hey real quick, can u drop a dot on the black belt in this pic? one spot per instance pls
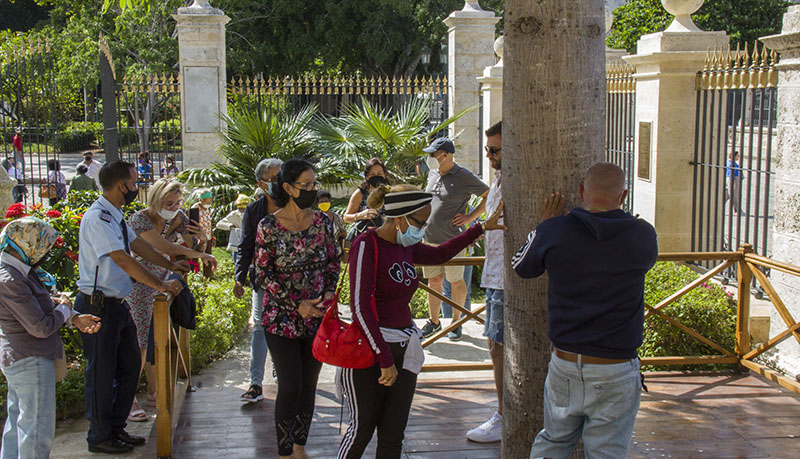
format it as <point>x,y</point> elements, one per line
<point>106,299</point>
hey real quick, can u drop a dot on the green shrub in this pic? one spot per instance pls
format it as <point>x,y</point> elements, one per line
<point>708,309</point>
<point>77,135</point>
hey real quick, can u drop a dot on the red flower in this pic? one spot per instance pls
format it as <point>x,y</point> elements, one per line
<point>16,210</point>
<point>71,255</point>
<point>52,213</point>
<point>59,242</point>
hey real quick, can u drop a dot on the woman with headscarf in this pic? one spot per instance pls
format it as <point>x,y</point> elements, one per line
<point>381,394</point>
<point>163,225</point>
<point>358,212</point>
<point>29,340</point>
<point>297,266</point>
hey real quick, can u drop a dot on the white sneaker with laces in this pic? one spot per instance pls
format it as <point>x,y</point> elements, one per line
<point>489,432</point>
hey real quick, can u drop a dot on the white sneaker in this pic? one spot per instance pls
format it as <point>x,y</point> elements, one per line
<point>489,432</point>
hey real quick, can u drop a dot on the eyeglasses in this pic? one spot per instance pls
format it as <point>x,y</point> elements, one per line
<point>173,205</point>
<point>419,224</point>
<point>270,179</point>
<point>492,150</point>
<point>308,186</point>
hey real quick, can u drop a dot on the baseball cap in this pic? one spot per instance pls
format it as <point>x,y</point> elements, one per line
<point>442,143</point>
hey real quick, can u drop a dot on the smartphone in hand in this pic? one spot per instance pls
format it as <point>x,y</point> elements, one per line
<point>194,215</point>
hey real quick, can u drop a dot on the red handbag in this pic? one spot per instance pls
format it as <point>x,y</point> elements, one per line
<point>340,343</point>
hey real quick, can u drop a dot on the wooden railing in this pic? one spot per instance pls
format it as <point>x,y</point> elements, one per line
<point>173,373</point>
<point>748,265</point>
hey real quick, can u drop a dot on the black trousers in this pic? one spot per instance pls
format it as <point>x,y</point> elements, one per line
<point>112,372</point>
<point>298,372</point>
<point>374,405</point>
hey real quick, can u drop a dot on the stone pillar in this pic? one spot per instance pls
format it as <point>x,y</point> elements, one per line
<point>201,50</point>
<point>491,84</point>
<point>470,38</point>
<point>6,185</point>
<point>666,66</point>
<point>786,235</point>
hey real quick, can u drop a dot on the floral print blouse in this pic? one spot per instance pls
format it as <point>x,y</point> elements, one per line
<point>292,266</point>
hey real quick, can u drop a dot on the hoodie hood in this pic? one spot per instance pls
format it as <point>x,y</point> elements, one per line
<point>604,225</point>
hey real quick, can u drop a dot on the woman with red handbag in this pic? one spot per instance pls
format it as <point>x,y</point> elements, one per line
<point>297,266</point>
<point>382,281</point>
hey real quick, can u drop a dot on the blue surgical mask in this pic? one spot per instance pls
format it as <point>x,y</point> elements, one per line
<point>413,235</point>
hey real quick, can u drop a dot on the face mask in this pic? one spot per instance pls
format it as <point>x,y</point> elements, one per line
<point>167,214</point>
<point>432,162</point>
<point>306,198</point>
<point>205,206</point>
<point>129,195</point>
<point>413,235</point>
<point>324,206</point>
<point>376,180</point>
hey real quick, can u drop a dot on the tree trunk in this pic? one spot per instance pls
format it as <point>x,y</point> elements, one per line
<point>554,116</point>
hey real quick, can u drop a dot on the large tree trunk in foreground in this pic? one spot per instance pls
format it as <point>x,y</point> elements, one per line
<point>554,117</point>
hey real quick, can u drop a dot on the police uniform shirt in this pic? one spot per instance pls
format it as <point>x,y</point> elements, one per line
<point>100,234</point>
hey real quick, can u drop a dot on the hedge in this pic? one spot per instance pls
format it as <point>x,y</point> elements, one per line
<point>78,135</point>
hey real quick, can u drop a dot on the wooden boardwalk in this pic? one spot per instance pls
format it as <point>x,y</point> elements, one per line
<point>683,416</point>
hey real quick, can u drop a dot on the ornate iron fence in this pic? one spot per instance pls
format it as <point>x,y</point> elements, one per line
<point>149,122</point>
<point>28,109</point>
<point>735,120</point>
<point>332,94</point>
<point>621,113</point>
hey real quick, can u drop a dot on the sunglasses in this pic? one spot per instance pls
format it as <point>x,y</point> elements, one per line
<point>420,225</point>
<point>492,150</point>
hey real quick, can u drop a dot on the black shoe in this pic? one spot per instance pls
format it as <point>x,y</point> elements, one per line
<point>134,440</point>
<point>430,328</point>
<point>253,394</point>
<point>111,446</point>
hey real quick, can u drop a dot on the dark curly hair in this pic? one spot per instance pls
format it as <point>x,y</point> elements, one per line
<point>289,173</point>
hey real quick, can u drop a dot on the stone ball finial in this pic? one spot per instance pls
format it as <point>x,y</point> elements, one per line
<point>682,10</point>
<point>472,5</point>
<point>200,4</point>
<point>610,6</point>
<point>498,46</point>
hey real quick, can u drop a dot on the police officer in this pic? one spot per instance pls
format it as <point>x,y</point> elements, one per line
<point>106,268</point>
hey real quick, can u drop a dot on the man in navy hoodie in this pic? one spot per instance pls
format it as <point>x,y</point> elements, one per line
<point>596,258</point>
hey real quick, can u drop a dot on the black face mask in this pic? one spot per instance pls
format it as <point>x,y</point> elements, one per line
<point>376,180</point>
<point>129,195</point>
<point>306,199</point>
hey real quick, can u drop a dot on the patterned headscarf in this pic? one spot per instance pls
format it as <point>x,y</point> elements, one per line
<point>31,238</point>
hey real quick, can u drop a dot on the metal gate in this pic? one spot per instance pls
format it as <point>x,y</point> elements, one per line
<point>734,132</point>
<point>621,111</point>
<point>28,117</point>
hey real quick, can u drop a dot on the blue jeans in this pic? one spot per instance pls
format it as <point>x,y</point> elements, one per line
<point>447,291</point>
<point>596,402</point>
<point>258,343</point>
<point>494,315</point>
<point>31,423</point>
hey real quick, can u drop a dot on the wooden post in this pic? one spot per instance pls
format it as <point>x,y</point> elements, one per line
<point>161,337</point>
<point>744,279</point>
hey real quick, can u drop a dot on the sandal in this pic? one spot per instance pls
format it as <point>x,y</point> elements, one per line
<point>253,394</point>
<point>137,416</point>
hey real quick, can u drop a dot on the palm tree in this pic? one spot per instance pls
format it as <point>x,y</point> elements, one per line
<point>252,135</point>
<point>367,131</point>
<point>553,131</point>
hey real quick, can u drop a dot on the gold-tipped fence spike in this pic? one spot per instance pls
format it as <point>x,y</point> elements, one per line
<point>755,56</point>
<point>772,73</point>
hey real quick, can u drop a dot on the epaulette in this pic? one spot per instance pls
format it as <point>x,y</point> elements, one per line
<point>105,216</point>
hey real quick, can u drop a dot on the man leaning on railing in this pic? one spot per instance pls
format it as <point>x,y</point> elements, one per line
<point>596,258</point>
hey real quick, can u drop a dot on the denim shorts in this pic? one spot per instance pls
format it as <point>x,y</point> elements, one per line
<point>494,315</point>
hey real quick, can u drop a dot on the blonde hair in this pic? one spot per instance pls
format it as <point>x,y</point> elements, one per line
<point>376,198</point>
<point>160,190</point>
